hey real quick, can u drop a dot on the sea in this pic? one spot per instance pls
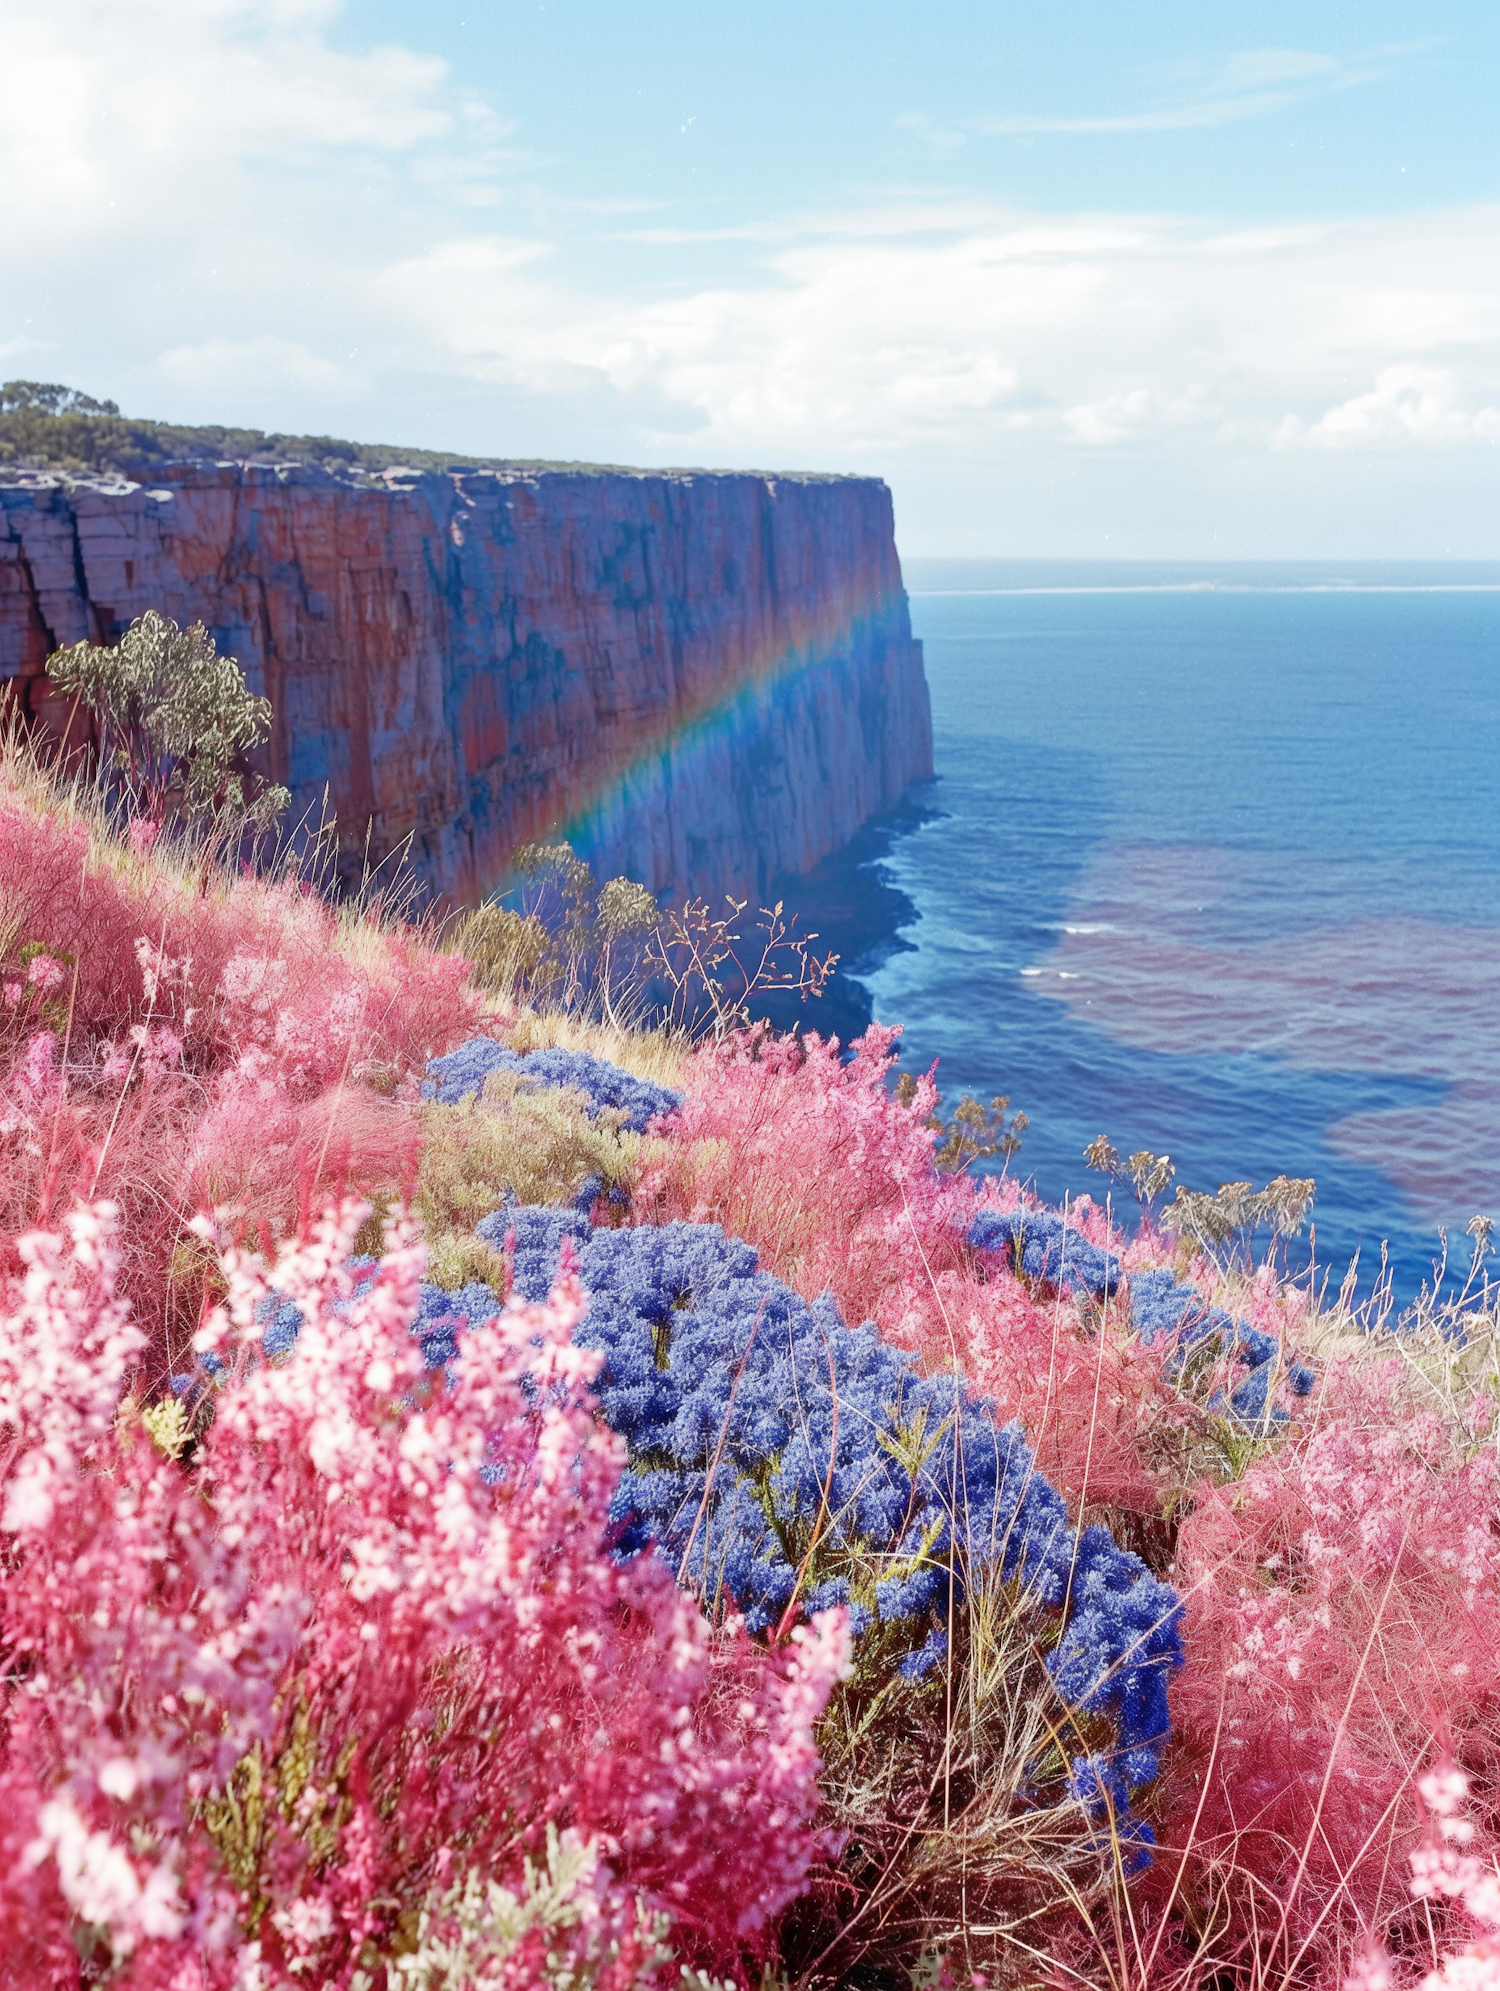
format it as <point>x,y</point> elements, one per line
<point>1211,867</point>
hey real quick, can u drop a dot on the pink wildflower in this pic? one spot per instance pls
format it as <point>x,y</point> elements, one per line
<point>1343,1601</point>
<point>34,1084</point>
<point>114,1063</point>
<point>1441,1872</point>
<point>45,974</point>
<point>159,1048</point>
<point>409,1589</point>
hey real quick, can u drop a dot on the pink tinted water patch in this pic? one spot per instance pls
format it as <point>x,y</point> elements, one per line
<point>1446,1156</point>
<point>1150,949</point>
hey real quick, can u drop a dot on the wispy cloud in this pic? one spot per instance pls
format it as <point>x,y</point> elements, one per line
<point>1251,83</point>
<point>744,231</point>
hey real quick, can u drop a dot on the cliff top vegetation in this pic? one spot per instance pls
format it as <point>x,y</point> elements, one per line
<point>717,1533</point>
<point>47,426</point>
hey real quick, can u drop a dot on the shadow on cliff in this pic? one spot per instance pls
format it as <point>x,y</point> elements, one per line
<point>857,913</point>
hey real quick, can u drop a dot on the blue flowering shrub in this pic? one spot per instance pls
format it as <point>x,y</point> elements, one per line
<point>1045,1249</point>
<point>1007,1709</point>
<point>462,1074</point>
<point>1164,1309</point>
<point>782,1461</point>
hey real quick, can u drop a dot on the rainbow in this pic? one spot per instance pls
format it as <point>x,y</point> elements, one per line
<point>700,749</point>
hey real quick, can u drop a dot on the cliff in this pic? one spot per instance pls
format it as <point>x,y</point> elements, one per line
<point>704,680</point>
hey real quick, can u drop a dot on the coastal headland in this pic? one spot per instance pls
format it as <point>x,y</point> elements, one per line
<point>705,680</point>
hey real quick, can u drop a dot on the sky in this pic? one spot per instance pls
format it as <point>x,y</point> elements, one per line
<point>1084,280</point>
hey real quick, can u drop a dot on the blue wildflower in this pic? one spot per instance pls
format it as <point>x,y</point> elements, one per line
<point>1096,1782</point>
<point>931,1652</point>
<point>1163,1309</point>
<point>279,1321</point>
<point>538,1236</point>
<point>1160,1307</point>
<point>441,1316</point>
<point>781,1459</point>
<point>462,1073</point>
<point>1044,1247</point>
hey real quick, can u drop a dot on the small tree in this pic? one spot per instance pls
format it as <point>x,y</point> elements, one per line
<point>176,722</point>
<point>50,397</point>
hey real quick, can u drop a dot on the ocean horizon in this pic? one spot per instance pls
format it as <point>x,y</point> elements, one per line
<point>1210,866</point>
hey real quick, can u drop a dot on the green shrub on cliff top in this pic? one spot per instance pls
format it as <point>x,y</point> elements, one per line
<point>46,426</point>
<point>175,722</point>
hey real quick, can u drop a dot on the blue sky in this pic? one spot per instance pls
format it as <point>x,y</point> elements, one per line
<point>728,115</point>
<point>1086,279</point>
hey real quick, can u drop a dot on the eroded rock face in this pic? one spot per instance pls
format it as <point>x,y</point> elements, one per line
<point>704,680</point>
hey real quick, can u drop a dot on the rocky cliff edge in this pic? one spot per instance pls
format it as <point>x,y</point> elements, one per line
<point>705,680</point>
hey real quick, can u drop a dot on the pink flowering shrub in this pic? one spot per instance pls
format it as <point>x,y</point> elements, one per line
<point>816,1164</point>
<point>1099,1408</point>
<point>831,1178</point>
<point>272,1707</point>
<point>1343,1608</point>
<point>253,965</point>
<point>175,1043</point>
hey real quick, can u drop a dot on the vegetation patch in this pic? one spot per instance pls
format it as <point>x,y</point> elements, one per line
<point>510,1475</point>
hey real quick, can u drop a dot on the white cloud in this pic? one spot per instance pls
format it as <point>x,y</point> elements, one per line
<point>214,213</point>
<point>1255,68</point>
<point>1423,404</point>
<point>226,365</point>
<point>1197,116</point>
<point>1119,417</point>
<point>108,110</point>
<point>1102,329</point>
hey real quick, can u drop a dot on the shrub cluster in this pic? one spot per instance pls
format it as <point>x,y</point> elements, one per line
<point>175,724</point>
<point>734,1538</point>
<point>284,1709</point>
<point>462,1075</point>
<point>783,1462</point>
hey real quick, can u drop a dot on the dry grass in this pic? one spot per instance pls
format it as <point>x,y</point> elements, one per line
<point>182,871</point>
<point>659,1056</point>
<point>1447,1342</point>
<point>535,1146</point>
<point>960,1841</point>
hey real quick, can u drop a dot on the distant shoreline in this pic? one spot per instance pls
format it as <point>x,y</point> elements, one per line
<point>934,576</point>
<point>1231,588</point>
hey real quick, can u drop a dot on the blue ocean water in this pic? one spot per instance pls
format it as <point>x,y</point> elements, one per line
<point>1212,866</point>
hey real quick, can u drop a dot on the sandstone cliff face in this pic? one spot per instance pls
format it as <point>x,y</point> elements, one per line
<point>704,680</point>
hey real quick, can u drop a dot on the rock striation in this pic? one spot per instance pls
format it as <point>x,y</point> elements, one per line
<point>705,680</point>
